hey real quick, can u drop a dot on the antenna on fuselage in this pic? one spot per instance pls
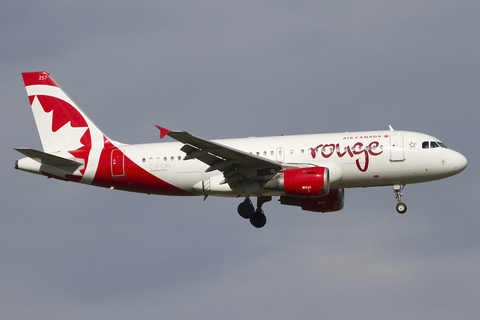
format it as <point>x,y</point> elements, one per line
<point>391,129</point>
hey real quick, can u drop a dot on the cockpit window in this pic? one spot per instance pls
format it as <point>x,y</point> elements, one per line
<point>442,145</point>
<point>433,144</point>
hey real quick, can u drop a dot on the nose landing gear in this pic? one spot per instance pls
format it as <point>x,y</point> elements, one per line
<point>401,207</point>
<point>247,211</point>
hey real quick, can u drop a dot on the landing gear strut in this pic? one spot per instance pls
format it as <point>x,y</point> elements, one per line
<point>401,207</point>
<point>247,211</point>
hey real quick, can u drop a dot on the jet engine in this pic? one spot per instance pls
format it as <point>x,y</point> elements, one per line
<point>311,182</point>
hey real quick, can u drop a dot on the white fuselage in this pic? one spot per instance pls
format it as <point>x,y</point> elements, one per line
<point>357,159</point>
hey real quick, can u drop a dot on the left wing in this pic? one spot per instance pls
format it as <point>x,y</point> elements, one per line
<point>236,165</point>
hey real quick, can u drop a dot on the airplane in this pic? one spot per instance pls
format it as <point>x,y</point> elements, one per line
<point>307,171</point>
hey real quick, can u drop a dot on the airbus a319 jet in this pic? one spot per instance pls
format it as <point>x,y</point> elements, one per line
<point>306,171</point>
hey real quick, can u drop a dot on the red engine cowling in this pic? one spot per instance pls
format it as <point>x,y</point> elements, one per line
<point>301,182</point>
<point>329,203</point>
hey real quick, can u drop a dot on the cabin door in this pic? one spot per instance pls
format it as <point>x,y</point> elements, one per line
<point>396,148</point>
<point>118,168</point>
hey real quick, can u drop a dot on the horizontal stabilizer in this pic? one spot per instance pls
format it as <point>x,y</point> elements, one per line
<point>47,158</point>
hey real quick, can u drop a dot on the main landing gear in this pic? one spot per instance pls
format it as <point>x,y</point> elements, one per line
<point>401,207</point>
<point>247,211</point>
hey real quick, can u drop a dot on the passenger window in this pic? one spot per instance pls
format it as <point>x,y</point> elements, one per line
<point>425,144</point>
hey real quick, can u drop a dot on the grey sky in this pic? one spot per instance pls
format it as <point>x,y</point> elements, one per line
<point>234,69</point>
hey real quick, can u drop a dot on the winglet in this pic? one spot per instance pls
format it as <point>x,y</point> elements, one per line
<point>163,131</point>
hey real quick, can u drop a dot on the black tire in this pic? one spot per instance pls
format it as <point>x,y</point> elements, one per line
<point>259,219</point>
<point>246,210</point>
<point>401,207</point>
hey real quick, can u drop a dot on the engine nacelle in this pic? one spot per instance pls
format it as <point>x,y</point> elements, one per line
<point>329,203</point>
<point>311,182</point>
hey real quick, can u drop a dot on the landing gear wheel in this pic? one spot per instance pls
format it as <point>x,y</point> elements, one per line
<point>246,209</point>
<point>401,207</point>
<point>397,190</point>
<point>259,219</point>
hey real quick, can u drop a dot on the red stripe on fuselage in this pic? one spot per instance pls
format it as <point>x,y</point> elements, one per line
<point>135,179</point>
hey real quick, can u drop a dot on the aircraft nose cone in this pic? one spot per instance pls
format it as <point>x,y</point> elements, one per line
<point>460,162</point>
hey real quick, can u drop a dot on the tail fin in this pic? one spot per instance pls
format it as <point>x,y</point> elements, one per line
<point>62,126</point>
